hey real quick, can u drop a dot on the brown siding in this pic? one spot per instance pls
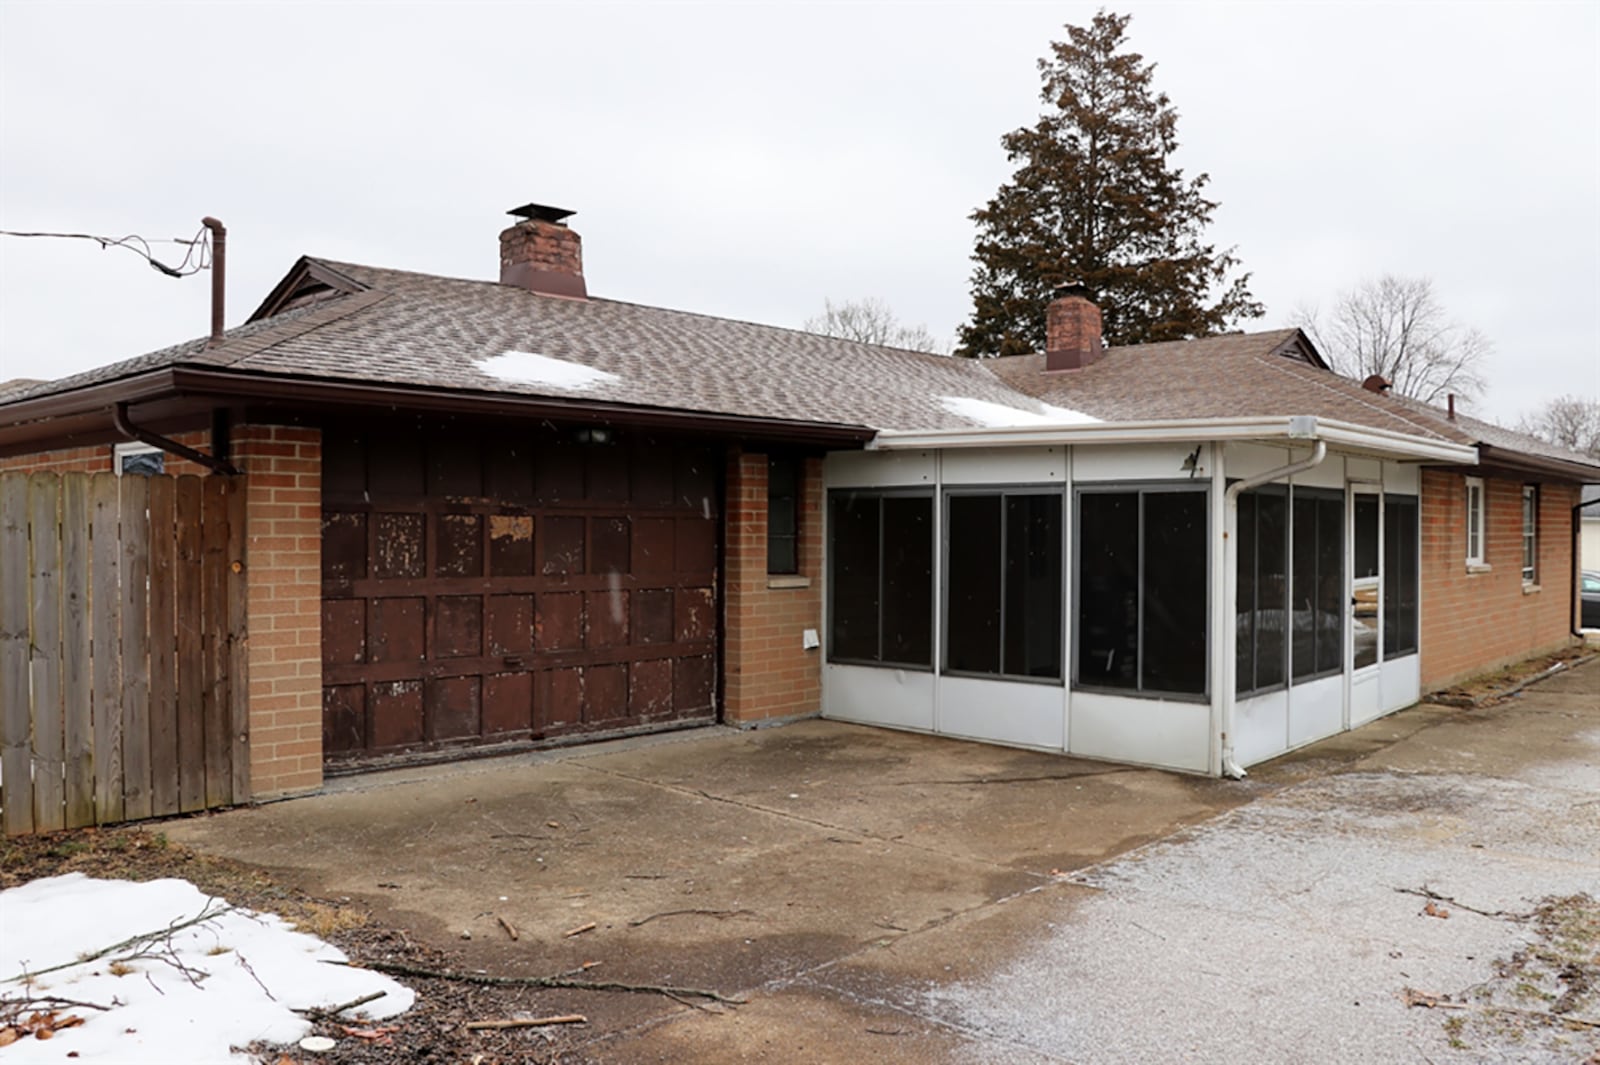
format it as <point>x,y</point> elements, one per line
<point>768,674</point>
<point>1473,622</point>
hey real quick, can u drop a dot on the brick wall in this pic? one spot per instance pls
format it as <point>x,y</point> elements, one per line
<point>1473,622</point>
<point>767,674</point>
<point>283,468</point>
<point>283,581</point>
<point>97,458</point>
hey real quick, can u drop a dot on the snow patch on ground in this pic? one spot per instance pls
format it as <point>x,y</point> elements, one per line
<point>1000,416</point>
<point>247,972</point>
<point>526,368</point>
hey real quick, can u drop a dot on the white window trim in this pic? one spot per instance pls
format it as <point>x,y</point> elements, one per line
<point>1476,557</point>
<point>119,451</point>
<point>1530,579</point>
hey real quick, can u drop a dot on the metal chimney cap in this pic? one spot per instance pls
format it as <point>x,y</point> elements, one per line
<point>1072,288</point>
<point>540,212</point>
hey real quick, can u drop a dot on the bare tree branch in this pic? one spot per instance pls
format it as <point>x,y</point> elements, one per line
<point>1572,422</point>
<point>870,321</point>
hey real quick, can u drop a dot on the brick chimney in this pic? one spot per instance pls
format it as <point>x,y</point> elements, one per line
<point>541,254</point>
<point>1072,329</point>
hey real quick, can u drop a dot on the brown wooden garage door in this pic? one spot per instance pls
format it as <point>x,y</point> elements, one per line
<point>513,584</point>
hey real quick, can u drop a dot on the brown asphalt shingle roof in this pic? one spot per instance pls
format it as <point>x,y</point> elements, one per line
<point>433,332</point>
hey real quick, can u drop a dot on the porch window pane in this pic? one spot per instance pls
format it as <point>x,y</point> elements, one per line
<point>1365,548</point>
<point>1108,589</point>
<point>853,576</point>
<point>1317,590</point>
<point>908,580</point>
<point>1033,586</point>
<point>1173,649</point>
<point>1399,576</point>
<point>1262,659</point>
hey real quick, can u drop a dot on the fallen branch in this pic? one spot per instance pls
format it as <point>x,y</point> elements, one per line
<point>580,930</point>
<point>54,1001</point>
<point>485,980</point>
<point>319,1013</point>
<point>719,914</point>
<point>1426,1001</point>
<point>1427,893</point>
<point>531,1022</point>
<point>206,914</point>
<point>511,929</point>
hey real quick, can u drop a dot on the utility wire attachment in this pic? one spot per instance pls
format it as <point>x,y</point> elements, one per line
<point>195,259</point>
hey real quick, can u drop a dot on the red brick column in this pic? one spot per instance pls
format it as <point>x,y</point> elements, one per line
<point>767,673</point>
<point>283,581</point>
<point>1474,622</point>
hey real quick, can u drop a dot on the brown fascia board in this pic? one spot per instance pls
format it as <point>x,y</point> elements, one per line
<point>49,421</point>
<point>1543,466</point>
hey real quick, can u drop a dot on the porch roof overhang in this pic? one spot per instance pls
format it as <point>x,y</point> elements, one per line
<point>1343,436</point>
<point>172,394</point>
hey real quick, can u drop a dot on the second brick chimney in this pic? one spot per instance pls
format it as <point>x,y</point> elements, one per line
<point>541,254</point>
<point>1072,329</point>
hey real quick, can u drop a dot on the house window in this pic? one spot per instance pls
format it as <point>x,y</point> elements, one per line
<point>880,578</point>
<point>1400,543</point>
<point>783,514</point>
<point>1316,586</point>
<point>1143,590</point>
<point>1475,506</point>
<point>1530,534</point>
<point>141,459</point>
<point>1003,584</point>
<point>1263,590</point>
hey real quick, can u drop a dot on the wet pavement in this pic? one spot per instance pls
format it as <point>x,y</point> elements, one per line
<point>882,896</point>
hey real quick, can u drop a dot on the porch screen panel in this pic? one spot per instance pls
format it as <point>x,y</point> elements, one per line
<point>1317,591</point>
<point>1400,576</point>
<point>880,579</point>
<point>1033,586</point>
<point>1143,591</point>
<point>1263,590</point>
<point>973,595</point>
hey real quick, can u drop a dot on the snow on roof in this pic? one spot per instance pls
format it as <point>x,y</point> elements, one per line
<point>526,368</point>
<point>999,416</point>
<point>247,972</point>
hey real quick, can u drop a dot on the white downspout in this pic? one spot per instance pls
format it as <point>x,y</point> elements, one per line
<point>1301,429</point>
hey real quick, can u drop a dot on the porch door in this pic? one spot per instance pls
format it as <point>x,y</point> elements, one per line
<point>1364,620</point>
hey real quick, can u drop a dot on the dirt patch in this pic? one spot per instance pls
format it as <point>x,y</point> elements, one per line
<point>1490,688</point>
<point>431,1031</point>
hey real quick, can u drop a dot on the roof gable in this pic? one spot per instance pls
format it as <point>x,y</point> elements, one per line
<point>308,282</point>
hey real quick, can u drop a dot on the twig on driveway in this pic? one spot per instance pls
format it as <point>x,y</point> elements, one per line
<point>317,1013</point>
<point>680,913</point>
<point>486,980</point>
<point>1426,893</point>
<point>530,1022</point>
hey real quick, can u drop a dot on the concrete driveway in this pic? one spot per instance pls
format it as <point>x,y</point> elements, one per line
<point>881,896</point>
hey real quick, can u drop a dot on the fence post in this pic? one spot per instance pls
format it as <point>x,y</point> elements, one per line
<point>15,756</point>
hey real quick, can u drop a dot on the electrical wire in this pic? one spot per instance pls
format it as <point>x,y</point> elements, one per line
<point>197,258</point>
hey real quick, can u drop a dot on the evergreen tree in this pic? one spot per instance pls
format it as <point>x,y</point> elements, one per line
<point>1096,199</point>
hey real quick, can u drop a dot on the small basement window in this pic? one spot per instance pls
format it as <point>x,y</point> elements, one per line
<point>141,459</point>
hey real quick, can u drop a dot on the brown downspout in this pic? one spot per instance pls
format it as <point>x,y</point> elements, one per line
<point>1574,582</point>
<point>219,264</point>
<point>172,447</point>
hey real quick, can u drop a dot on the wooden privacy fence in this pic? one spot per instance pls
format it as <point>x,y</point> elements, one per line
<point>123,690</point>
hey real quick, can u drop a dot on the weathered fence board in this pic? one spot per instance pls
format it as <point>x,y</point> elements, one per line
<point>76,685</point>
<point>123,687</point>
<point>49,745</point>
<point>15,725</point>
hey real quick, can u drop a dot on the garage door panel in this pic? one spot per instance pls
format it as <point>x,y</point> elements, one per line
<point>460,546</point>
<point>399,547</point>
<point>510,624</point>
<point>510,545</point>
<point>344,631</point>
<point>458,626</point>
<point>453,708</point>
<point>507,704</point>
<point>605,694</point>
<point>506,584</point>
<point>396,714</point>
<point>558,622</point>
<point>398,630</point>
<point>344,718</point>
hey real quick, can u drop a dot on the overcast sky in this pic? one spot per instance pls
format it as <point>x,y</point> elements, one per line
<point>750,160</point>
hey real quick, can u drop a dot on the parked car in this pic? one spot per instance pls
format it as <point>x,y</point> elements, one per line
<point>1591,599</point>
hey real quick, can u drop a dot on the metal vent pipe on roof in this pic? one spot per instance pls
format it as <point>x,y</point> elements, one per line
<point>219,272</point>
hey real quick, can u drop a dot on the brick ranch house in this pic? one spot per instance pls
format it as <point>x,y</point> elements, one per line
<point>482,515</point>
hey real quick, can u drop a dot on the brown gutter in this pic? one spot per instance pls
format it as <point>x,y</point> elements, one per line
<point>119,415</point>
<point>1522,461</point>
<point>219,263</point>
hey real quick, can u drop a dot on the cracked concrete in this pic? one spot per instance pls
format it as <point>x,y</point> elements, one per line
<point>900,894</point>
